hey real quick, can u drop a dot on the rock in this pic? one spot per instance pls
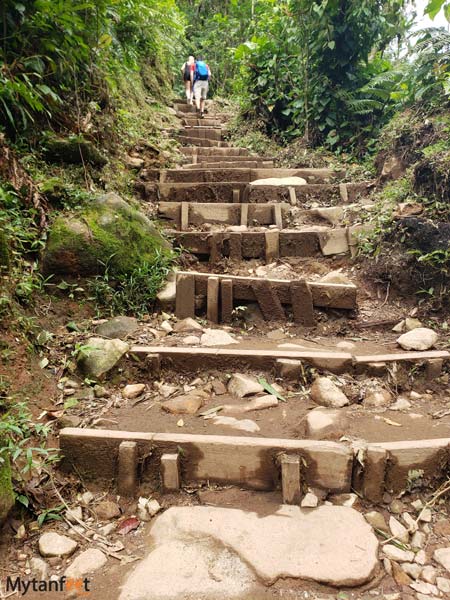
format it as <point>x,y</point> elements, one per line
<point>350,500</point>
<point>325,392</point>
<point>118,328</point>
<point>336,277</point>
<point>393,168</point>
<point>219,388</point>
<point>442,527</point>
<point>187,325</point>
<point>429,574</point>
<point>399,575</point>
<point>7,496</point>
<point>86,498</point>
<point>73,150</point>
<point>108,231</point>
<point>398,530</point>
<point>239,424</point>
<point>87,562</point>
<point>107,529</point>
<point>310,500</point>
<point>412,569</point>
<point>399,328</point>
<point>346,346</point>
<point>242,385</point>
<point>331,545</point>
<point>166,326</point>
<point>279,181</point>
<point>325,424</point>
<point>377,520</point>
<point>420,558</point>
<point>190,340</point>
<point>411,324</point>
<point>442,556</point>
<point>106,510</point>
<point>418,540</point>
<point>74,515</point>
<point>133,390</point>
<point>410,523</point>
<point>216,337</point>
<point>100,391</point>
<point>260,403</point>
<point>424,588</point>
<point>418,339</point>
<point>148,508</point>
<point>276,334</point>
<point>400,404</point>
<point>397,554</point>
<point>68,421</point>
<point>133,162</point>
<point>39,568</point>
<point>183,405</point>
<point>376,397</point>
<point>425,515</point>
<point>167,295</point>
<point>54,544</point>
<point>102,356</point>
<point>397,507</point>
<point>443,584</point>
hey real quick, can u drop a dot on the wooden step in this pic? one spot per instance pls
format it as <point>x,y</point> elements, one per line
<point>201,133</point>
<point>219,174</point>
<point>206,122</point>
<point>269,245</point>
<point>195,192</point>
<point>231,162</point>
<point>203,143</point>
<point>221,152</point>
<point>272,295</point>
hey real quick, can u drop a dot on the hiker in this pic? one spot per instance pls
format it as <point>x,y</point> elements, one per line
<point>201,76</point>
<point>187,70</point>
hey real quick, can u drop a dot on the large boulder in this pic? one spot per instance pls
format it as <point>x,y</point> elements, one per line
<point>101,356</point>
<point>106,232</point>
<point>7,497</point>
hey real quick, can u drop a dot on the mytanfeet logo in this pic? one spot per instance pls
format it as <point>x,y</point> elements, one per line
<point>18,585</point>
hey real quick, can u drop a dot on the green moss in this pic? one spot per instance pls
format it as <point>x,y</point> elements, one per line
<point>7,497</point>
<point>4,252</point>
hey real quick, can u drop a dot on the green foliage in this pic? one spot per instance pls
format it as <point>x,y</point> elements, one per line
<point>133,292</point>
<point>61,54</point>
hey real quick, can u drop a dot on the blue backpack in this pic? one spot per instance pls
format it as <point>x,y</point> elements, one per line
<point>201,71</point>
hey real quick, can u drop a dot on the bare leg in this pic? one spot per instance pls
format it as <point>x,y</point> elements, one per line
<point>187,86</point>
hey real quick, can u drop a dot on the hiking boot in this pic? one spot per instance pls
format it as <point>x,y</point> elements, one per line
<point>202,115</point>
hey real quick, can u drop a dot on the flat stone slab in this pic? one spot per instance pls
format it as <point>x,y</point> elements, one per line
<point>331,544</point>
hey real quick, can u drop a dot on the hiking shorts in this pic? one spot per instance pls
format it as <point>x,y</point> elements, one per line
<point>201,89</point>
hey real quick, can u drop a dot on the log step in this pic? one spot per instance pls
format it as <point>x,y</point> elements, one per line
<point>220,174</point>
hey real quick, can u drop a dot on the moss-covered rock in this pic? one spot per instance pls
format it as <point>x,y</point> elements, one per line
<point>73,150</point>
<point>108,232</point>
<point>4,252</point>
<point>7,497</point>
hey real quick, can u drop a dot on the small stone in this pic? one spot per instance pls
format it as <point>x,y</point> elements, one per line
<point>415,395</point>
<point>387,566</point>
<point>119,327</point>
<point>424,588</point>
<point>99,391</point>
<point>219,387</point>
<point>74,515</point>
<point>259,403</point>
<point>400,404</point>
<point>411,324</point>
<point>86,498</point>
<point>346,346</point>
<point>442,556</point>
<point>442,527</point>
<point>429,574</point>
<point>54,544</point>
<point>166,326</point>
<point>410,523</point>
<point>187,325</point>
<point>88,561</point>
<point>309,501</point>
<point>425,515</point>
<point>397,507</point>
<point>190,340</point>
<point>336,277</point>
<point>420,339</point>
<point>377,520</point>
<point>325,392</point>
<point>242,385</point>
<point>107,510</point>
<point>133,390</point>
<point>68,421</point>
<point>344,499</point>
<point>240,425</point>
<point>417,504</point>
<point>397,554</point>
<point>398,530</point>
<point>418,540</point>
<point>375,398</point>
<point>421,557</point>
<point>153,507</point>
<point>216,337</point>
<point>39,568</point>
<point>400,327</point>
<point>443,584</point>
<point>401,578</point>
<point>325,424</point>
<point>183,405</point>
<point>412,569</point>
<point>107,529</point>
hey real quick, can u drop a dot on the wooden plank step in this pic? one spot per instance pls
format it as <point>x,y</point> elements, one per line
<point>321,192</point>
<point>309,242</point>
<point>222,212</point>
<point>219,152</point>
<point>325,295</point>
<point>195,192</point>
<point>245,461</point>
<point>230,163</point>
<point>203,143</point>
<point>220,174</point>
<point>203,133</point>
